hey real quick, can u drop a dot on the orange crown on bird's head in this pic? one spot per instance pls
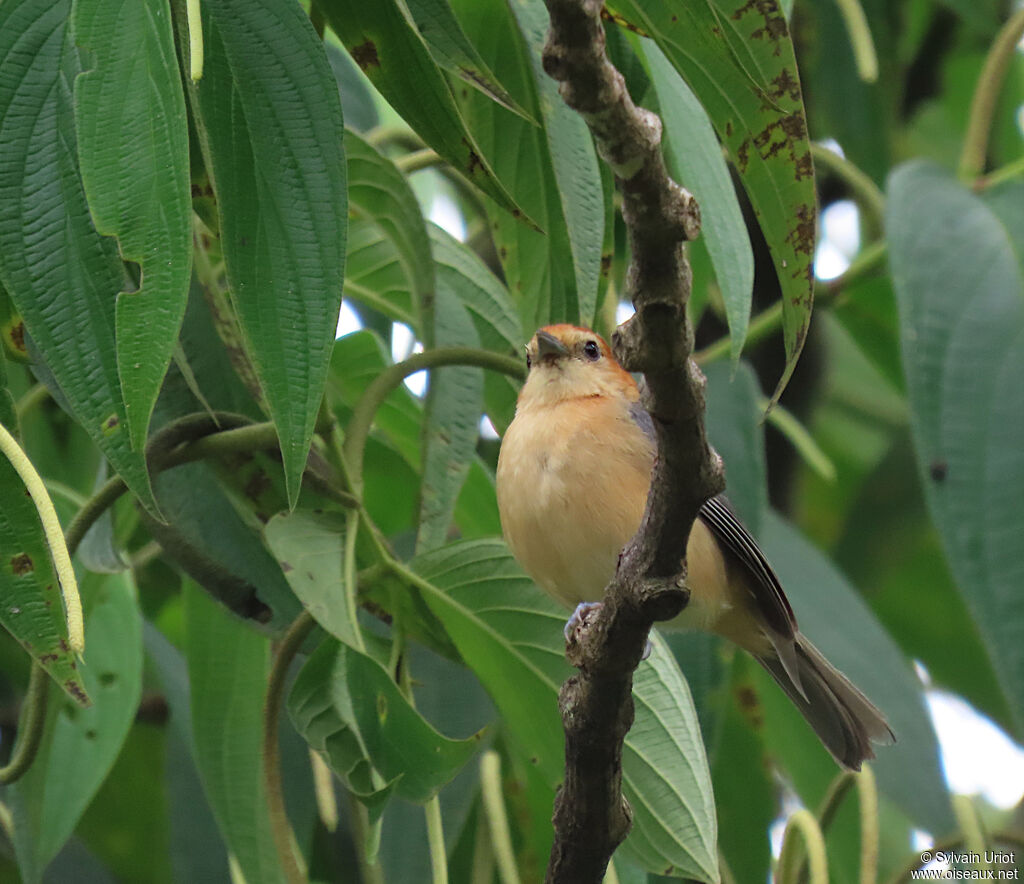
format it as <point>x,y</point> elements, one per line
<point>571,362</point>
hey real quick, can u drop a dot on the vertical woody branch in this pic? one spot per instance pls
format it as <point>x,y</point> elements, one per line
<point>591,815</point>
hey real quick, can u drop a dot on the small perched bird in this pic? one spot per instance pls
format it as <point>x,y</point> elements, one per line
<point>573,476</point>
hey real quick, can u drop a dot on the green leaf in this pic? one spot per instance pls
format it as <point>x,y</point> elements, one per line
<point>270,125</point>
<point>81,745</point>
<point>61,275</point>
<point>376,276</point>
<point>695,160</point>
<point>735,430</point>
<point>385,44</point>
<point>962,330</point>
<point>348,707</point>
<point>737,57</point>
<point>511,636</point>
<point>31,607</point>
<point>451,49</point>
<point>378,192</point>
<point>133,150</point>
<point>836,619</point>
<point>552,170</point>
<point>451,421</point>
<point>227,668</point>
<point>311,549</point>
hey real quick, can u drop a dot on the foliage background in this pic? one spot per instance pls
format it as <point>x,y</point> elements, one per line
<point>886,489</point>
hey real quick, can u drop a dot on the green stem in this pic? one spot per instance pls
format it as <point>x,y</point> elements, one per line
<point>867,794</point>
<point>864,54</point>
<point>203,437</point>
<point>769,321</point>
<point>380,388</point>
<point>30,729</point>
<point>800,438</point>
<point>435,839</point>
<point>283,838</point>
<point>367,840</point>
<point>420,159</point>
<point>803,824</point>
<point>32,397</point>
<point>195,40</point>
<point>993,179</point>
<point>986,94</point>
<point>55,539</point>
<point>864,191</point>
<point>497,819</point>
<point>401,136</point>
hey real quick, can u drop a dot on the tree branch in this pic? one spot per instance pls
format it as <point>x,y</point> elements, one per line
<point>591,815</point>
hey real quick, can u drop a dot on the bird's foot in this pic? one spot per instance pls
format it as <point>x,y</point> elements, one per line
<point>578,621</point>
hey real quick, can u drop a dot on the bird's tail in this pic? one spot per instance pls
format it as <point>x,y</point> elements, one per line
<point>844,719</point>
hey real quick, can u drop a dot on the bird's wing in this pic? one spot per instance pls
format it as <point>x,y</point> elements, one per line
<point>733,537</point>
<point>762,583</point>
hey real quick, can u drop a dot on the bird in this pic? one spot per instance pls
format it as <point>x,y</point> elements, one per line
<point>574,470</point>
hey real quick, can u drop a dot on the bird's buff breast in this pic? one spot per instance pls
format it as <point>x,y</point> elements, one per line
<point>569,498</point>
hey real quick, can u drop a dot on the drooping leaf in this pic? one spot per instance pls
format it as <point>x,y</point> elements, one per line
<point>551,170</point>
<point>379,193</point>
<point>737,57</point>
<point>61,275</point>
<point>31,608</point>
<point>310,548</point>
<point>695,160</point>
<point>511,636</point>
<point>836,619</point>
<point>390,51</point>
<point>451,421</point>
<point>133,150</point>
<point>270,125</point>
<point>962,332</point>
<point>452,50</point>
<point>227,668</point>
<point>348,707</point>
<point>80,745</point>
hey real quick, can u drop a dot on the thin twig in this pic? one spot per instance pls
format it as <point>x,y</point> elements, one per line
<point>986,94</point>
<point>30,728</point>
<point>283,839</point>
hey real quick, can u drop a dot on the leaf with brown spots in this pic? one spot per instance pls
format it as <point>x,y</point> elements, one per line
<point>27,578</point>
<point>737,57</point>
<point>393,55</point>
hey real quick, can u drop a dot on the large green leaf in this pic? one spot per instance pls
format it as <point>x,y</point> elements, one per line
<point>227,669</point>
<point>695,160</point>
<point>385,44</point>
<point>133,149</point>
<point>62,276</point>
<point>737,57</point>
<point>840,624</point>
<point>81,745</point>
<point>551,170</point>
<point>451,421</point>
<point>511,636</point>
<point>378,192</point>
<point>348,707</point>
<point>962,330</point>
<point>452,50</point>
<point>31,607</point>
<point>376,276</point>
<point>270,125</point>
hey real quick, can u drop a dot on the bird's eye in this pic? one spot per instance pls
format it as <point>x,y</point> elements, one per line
<point>529,361</point>
<point>591,350</point>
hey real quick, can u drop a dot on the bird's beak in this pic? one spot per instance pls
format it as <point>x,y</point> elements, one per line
<point>549,347</point>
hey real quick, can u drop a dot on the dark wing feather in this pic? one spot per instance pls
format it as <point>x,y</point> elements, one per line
<point>764,585</point>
